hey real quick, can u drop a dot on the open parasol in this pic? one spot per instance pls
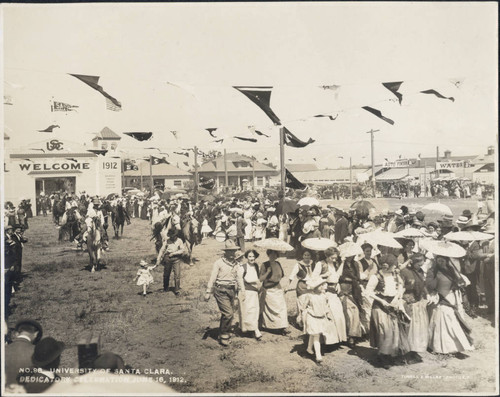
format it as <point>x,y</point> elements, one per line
<point>274,244</point>
<point>318,244</point>
<point>409,233</point>
<point>308,201</point>
<point>445,248</point>
<point>377,237</point>
<point>436,210</point>
<point>350,249</point>
<point>468,236</point>
<point>362,207</point>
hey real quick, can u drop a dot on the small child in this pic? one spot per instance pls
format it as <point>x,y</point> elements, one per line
<point>205,228</point>
<point>316,315</point>
<point>144,276</point>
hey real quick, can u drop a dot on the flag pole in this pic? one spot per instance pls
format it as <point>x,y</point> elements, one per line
<point>226,178</point>
<point>195,174</point>
<point>282,159</point>
<point>151,173</point>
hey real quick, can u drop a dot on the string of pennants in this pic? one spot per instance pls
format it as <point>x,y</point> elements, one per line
<point>259,95</point>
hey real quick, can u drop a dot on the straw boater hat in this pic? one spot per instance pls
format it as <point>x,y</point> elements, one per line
<point>230,246</point>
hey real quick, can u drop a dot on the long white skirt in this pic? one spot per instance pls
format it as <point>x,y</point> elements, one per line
<point>418,334</point>
<point>249,311</point>
<point>445,333</point>
<point>336,328</point>
<point>273,306</point>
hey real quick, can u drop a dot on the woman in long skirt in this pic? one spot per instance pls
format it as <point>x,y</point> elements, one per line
<point>386,332</point>
<point>336,330</point>
<point>368,267</point>
<point>272,299</point>
<point>350,291</point>
<point>448,328</point>
<point>416,304</point>
<point>250,308</point>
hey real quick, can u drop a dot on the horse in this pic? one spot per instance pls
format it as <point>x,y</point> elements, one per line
<point>118,219</point>
<point>190,236</point>
<point>94,246</point>
<point>70,226</point>
<point>58,209</point>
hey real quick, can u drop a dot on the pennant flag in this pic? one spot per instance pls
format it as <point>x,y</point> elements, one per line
<point>130,166</point>
<point>98,152</point>
<point>210,131</point>
<point>292,182</point>
<point>293,141</point>
<point>207,183</point>
<point>254,131</point>
<point>261,96</point>
<point>246,139</point>
<point>394,87</point>
<point>71,159</point>
<point>152,148</point>
<point>378,113</point>
<point>92,81</point>
<point>434,92</point>
<point>49,128</point>
<point>327,115</point>
<point>140,136</point>
<point>185,163</point>
<point>219,140</point>
<point>174,133</point>
<point>340,157</point>
<point>7,100</point>
<point>158,160</point>
<point>110,105</point>
<point>182,153</point>
<point>61,107</point>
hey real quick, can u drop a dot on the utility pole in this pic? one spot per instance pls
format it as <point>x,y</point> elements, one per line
<point>350,174</point>
<point>142,185</point>
<point>151,173</point>
<point>253,174</point>
<point>373,160</point>
<point>225,172</point>
<point>282,160</point>
<point>195,174</point>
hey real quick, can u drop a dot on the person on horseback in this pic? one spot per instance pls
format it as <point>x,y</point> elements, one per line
<point>70,223</point>
<point>93,212</point>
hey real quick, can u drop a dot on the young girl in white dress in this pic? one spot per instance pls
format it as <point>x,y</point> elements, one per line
<point>317,315</point>
<point>144,276</point>
<point>205,228</point>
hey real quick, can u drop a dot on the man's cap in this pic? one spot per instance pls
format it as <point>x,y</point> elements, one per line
<point>46,351</point>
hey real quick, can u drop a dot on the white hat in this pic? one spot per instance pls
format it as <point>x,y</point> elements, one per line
<point>315,282</point>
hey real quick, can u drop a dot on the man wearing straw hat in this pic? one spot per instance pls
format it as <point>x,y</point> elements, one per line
<point>225,281</point>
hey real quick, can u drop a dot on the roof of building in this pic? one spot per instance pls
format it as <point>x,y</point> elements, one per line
<point>106,133</point>
<point>484,159</point>
<point>396,174</point>
<point>53,148</point>
<point>488,167</point>
<point>301,167</point>
<point>235,163</point>
<point>328,176</point>
<point>159,170</point>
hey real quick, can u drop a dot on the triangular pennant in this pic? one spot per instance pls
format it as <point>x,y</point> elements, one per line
<point>174,133</point>
<point>293,141</point>
<point>140,136</point>
<point>185,163</point>
<point>327,115</point>
<point>394,87</point>
<point>219,140</point>
<point>182,153</point>
<point>49,128</point>
<point>92,81</point>
<point>434,92</point>
<point>207,183</point>
<point>378,113</point>
<point>210,131</point>
<point>261,96</point>
<point>158,160</point>
<point>98,152</point>
<point>292,182</point>
<point>246,139</point>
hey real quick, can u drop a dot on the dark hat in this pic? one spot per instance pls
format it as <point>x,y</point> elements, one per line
<point>366,245</point>
<point>108,360</point>
<point>46,351</point>
<point>404,209</point>
<point>467,213</point>
<point>34,323</point>
<point>420,216</point>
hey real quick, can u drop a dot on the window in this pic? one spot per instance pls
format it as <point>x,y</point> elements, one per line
<point>260,181</point>
<point>104,145</point>
<point>177,183</point>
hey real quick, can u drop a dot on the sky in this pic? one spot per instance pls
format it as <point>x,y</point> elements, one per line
<point>172,66</point>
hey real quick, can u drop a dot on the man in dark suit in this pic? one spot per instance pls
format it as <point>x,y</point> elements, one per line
<point>240,231</point>
<point>18,353</point>
<point>16,247</point>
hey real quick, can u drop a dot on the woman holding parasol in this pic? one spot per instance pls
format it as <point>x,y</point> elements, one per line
<point>448,328</point>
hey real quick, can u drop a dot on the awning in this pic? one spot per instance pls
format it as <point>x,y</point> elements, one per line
<point>400,174</point>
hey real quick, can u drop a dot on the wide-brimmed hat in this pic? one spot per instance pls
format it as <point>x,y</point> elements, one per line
<point>34,323</point>
<point>467,214</point>
<point>489,228</point>
<point>46,351</point>
<point>238,254</point>
<point>230,245</point>
<point>463,220</point>
<point>446,220</point>
<point>143,263</point>
<point>315,282</point>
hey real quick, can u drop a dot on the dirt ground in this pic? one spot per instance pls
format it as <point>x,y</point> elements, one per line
<point>177,335</point>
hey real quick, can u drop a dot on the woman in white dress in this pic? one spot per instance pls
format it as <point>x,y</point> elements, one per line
<point>247,215</point>
<point>250,308</point>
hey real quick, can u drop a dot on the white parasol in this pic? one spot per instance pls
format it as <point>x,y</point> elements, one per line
<point>468,236</point>
<point>318,244</point>
<point>274,244</point>
<point>308,201</point>
<point>409,233</point>
<point>445,248</point>
<point>436,209</point>
<point>379,237</point>
<point>349,249</point>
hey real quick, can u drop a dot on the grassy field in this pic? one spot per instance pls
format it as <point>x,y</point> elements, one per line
<point>178,334</point>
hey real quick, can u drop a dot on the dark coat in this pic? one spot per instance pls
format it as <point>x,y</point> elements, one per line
<point>17,355</point>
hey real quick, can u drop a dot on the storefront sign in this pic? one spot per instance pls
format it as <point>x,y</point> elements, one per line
<point>401,163</point>
<point>54,166</point>
<point>453,165</point>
